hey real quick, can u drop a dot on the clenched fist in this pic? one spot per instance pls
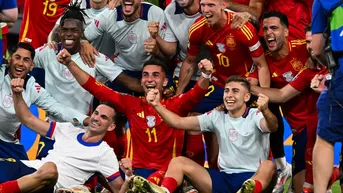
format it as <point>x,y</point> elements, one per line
<point>153,97</point>
<point>205,66</point>
<point>153,28</point>
<point>64,57</point>
<point>150,46</point>
<point>17,85</point>
<point>262,102</point>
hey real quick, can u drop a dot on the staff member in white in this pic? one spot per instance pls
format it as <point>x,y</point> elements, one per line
<point>243,137</point>
<point>20,64</point>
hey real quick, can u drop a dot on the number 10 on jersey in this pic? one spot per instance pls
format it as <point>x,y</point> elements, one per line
<point>223,60</point>
<point>151,132</point>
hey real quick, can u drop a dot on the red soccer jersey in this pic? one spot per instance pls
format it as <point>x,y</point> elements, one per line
<point>299,13</point>
<point>231,50</point>
<point>291,70</point>
<point>153,142</point>
<point>243,2</point>
<point>39,18</point>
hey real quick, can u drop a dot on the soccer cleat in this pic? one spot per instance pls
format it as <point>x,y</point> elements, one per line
<point>247,187</point>
<point>76,189</point>
<point>144,186</point>
<point>283,176</point>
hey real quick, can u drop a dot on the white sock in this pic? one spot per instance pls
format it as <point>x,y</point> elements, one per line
<point>281,163</point>
<point>165,189</point>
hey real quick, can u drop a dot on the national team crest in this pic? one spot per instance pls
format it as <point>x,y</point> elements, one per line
<point>67,74</point>
<point>297,64</point>
<point>230,42</point>
<point>132,37</point>
<point>288,76</point>
<point>151,120</point>
<point>221,47</point>
<point>233,135</point>
<point>8,101</point>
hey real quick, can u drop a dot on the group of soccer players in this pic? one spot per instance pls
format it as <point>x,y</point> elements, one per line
<point>190,94</point>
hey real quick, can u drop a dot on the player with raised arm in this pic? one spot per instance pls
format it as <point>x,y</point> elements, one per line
<point>243,144</point>
<point>291,81</point>
<point>233,50</point>
<point>20,64</point>
<point>153,144</point>
<point>77,154</point>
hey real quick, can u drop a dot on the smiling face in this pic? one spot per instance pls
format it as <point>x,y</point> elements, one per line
<point>101,119</point>
<point>20,63</point>
<point>235,96</point>
<point>70,34</point>
<point>212,10</point>
<point>275,34</point>
<point>130,7</point>
<point>153,77</point>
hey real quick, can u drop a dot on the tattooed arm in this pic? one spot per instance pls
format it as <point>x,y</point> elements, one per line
<point>187,70</point>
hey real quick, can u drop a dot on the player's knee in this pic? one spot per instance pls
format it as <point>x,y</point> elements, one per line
<point>269,166</point>
<point>185,163</point>
<point>48,173</point>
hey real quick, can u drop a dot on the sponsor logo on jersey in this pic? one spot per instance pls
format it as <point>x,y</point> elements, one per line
<point>221,47</point>
<point>151,120</point>
<point>96,22</point>
<point>37,87</point>
<point>230,42</point>
<point>8,101</point>
<point>288,76</point>
<point>164,26</point>
<point>252,69</point>
<point>297,64</point>
<point>132,37</point>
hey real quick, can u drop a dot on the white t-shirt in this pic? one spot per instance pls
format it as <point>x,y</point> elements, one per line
<point>242,143</point>
<point>61,84</point>
<point>129,37</point>
<point>77,160</point>
<point>33,94</point>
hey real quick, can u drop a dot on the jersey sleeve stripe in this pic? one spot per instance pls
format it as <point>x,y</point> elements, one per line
<point>51,130</point>
<point>248,31</point>
<point>191,31</point>
<point>197,24</point>
<point>255,47</point>
<point>245,33</point>
<point>113,176</point>
<point>27,22</point>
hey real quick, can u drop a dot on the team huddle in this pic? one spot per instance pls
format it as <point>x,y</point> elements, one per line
<point>141,99</point>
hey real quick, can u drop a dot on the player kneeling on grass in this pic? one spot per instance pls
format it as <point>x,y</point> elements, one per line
<point>77,154</point>
<point>243,137</point>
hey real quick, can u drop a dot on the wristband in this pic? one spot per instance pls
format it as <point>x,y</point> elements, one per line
<point>127,178</point>
<point>205,75</point>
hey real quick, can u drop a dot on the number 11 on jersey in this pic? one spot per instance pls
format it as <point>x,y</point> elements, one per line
<point>151,132</point>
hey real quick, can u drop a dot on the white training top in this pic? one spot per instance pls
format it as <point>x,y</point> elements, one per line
<point>103,44</point>
<point>32,94</point>
<point>242,143</point>
<point>128,36</point>
<point>77,160</point>
<point>61,84</point>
